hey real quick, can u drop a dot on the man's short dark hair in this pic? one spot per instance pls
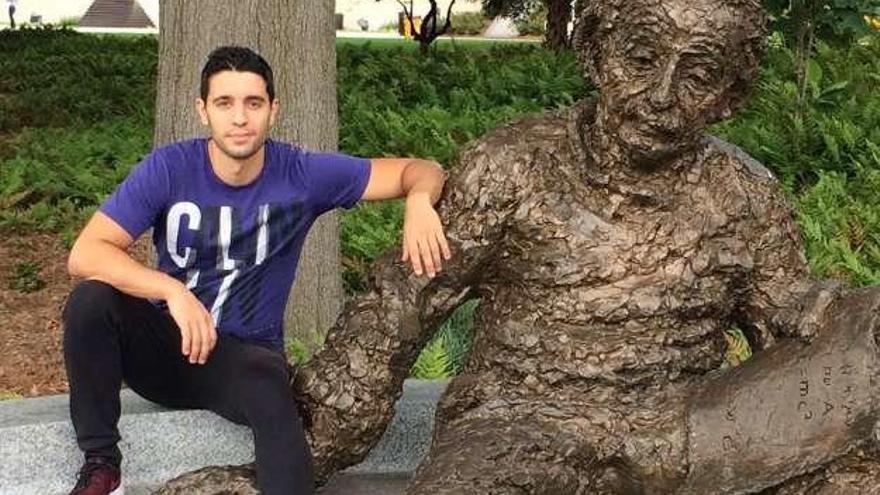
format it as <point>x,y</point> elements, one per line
<point>237,58</point>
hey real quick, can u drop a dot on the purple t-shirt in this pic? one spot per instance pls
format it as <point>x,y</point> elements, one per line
<point>235,248</point>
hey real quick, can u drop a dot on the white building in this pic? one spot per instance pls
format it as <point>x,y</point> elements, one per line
<point>52,11</point>
<point>377,14</point>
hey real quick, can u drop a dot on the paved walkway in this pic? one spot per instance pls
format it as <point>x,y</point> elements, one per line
<point>345,484</point>
<point>38,451</point>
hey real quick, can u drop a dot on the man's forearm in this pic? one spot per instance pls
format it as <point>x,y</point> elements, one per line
<point>100,260</point>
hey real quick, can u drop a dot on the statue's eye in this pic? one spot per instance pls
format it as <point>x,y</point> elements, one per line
<point>697,82</point>
<point>698,68</point>
<point>642,59</point>
<point>698,75</point>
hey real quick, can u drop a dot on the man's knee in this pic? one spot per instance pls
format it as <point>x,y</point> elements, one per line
<point>90,303</point>
<point>262,381</point>
<point>261,365</point>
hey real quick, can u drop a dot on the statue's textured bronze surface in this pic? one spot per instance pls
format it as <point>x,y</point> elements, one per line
<point>612,245</point>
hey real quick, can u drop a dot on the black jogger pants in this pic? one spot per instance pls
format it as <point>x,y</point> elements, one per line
<point>110,336</point>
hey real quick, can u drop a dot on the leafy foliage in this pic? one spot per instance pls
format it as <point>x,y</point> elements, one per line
<point>840,222</point>
<point>468,23</point>
<point>836,21</point>
<point>56,177</point>
<point>445,354</point>
<point>76,113</point>
<point>300,350</point>
<point>533,23</point>
<point>828,158</point>
<point>433,363</point>
<point>738,350</point>
<point>57,77</point>
<point>26,277</point>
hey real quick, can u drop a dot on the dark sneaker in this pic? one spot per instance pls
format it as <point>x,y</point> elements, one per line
<point>98,477</point>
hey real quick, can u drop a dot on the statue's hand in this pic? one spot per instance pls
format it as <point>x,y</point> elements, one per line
<point>346,392</point>
<point>813,313</point>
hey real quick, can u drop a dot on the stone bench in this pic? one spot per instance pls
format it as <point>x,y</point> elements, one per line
<point>38,452</point>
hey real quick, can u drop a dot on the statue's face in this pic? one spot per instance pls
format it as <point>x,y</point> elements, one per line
<point>666,70</point>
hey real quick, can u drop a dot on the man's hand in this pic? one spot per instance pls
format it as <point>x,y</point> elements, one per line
<point>197,332</point>
<point>424,244</point>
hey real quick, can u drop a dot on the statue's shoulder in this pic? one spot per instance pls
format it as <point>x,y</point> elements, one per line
<point>757,185</point>
<point>516,142</point>
<point>509,157</point>
<point>751,168</point>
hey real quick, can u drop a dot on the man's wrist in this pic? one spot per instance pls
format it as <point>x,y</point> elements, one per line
<point>171,288</point>
<point>418,197</point>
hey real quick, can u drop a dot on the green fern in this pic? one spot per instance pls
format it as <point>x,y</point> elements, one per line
<point>433,363</point>
<point>738,349</point>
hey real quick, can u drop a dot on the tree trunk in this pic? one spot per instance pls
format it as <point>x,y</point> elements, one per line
<point>297,39</point>
<point>804,13</point>
<point>558,17</point>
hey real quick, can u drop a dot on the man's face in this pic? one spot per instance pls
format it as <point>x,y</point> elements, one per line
<point>665,74</point>
<point>238,111</point>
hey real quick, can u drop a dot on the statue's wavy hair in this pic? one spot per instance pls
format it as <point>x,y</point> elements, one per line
<point>598,18</point>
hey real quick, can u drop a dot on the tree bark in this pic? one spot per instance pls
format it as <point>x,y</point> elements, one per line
<point>558,17</point>
<point>297,39</point>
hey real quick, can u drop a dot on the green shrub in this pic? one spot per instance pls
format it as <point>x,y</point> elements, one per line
<point>468,24</point>
<point>26,277</point>
<point>61,78</point>
<point>828,160</point>
<point>533,23</point>
<point>68,22</point>
<point>57,176</point>
<point>839,218</point>
<point>837,21</point>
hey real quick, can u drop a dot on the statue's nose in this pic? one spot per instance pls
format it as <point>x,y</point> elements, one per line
<point>662,95</point>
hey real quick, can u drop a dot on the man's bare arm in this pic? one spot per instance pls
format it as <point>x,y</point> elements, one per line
<point>421,182</point>
<point>100,253</point>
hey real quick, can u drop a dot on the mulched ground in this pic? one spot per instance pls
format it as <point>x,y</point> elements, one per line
<point>30,334</point>
<point>33,287</point>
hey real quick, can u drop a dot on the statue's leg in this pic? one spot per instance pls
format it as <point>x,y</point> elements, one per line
<point>857,473</point>
<point>502,456</point>
<point>792,408</point>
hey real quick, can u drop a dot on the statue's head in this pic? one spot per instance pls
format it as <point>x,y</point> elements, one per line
<point>668,68</point>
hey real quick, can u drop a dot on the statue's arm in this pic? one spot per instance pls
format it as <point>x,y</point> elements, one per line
<point>782,299</point>
<point>348,390</point>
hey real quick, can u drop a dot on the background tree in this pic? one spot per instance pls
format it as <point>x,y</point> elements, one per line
<point>428,31</point>
<point>297,38</point>
<point>803,22</point>
<point>558,16</point>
